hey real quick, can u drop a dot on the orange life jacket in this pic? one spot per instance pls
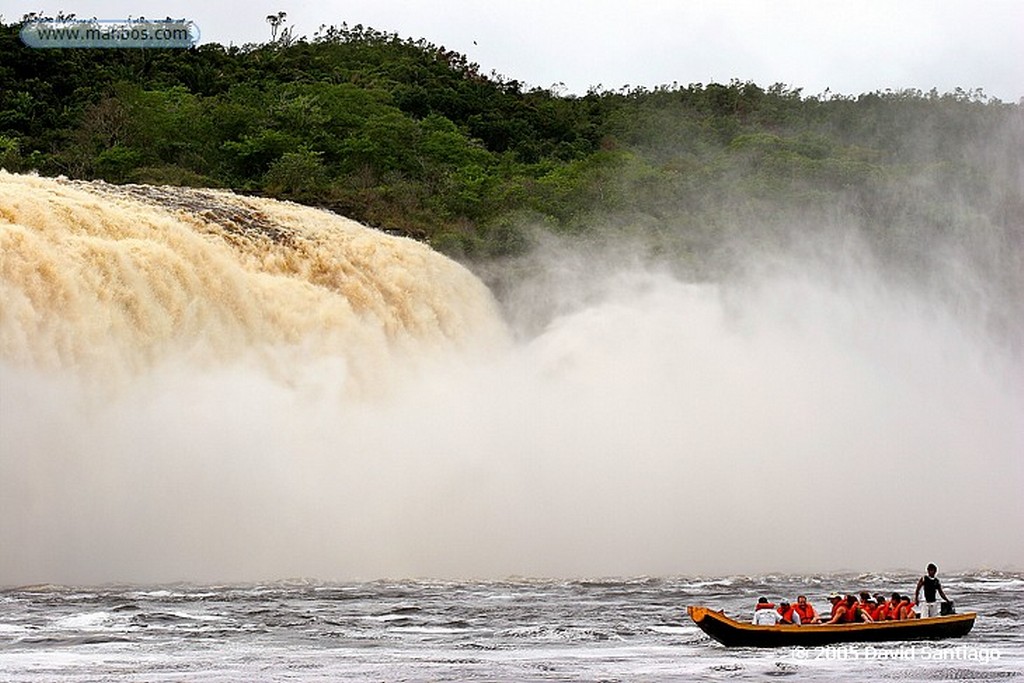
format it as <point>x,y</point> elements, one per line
<point>806,613</point>
<point>851,612</point>
<point>881,612</point>
<point>787,614</point>
<point>764,605</point>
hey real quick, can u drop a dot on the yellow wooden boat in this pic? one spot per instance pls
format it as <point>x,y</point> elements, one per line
<point>732,633</point>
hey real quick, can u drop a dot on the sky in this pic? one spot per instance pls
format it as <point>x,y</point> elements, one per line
<point>819,46</point>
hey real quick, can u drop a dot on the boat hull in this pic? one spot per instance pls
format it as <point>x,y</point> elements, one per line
<point>732,633</point>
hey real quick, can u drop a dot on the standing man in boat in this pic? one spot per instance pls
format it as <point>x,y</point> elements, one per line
<point>931,585</point>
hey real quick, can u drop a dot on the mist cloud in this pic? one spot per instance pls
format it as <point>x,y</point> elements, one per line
<point>634,427</point>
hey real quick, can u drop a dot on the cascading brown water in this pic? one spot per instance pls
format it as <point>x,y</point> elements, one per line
<point>107,279</point>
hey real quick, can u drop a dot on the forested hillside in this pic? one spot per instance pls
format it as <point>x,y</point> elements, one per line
<point>408,136</point>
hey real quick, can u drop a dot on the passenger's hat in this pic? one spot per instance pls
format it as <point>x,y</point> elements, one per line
<point>834,596</point>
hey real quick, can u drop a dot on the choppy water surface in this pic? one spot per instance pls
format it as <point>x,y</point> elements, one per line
<point>516,630</point>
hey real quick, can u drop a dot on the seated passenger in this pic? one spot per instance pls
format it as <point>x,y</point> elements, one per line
<point>893,607</point>
<point>901,608</point>
<point>854,611</point>
<point>765,614</point>
<point>806,611</point>
<point>881,612</point>
<point>867,603</point>
<point>910,611</point>
<point>838,609</point>
<point>788,613</point>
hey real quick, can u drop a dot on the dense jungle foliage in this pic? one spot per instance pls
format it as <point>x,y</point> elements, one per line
<point>409,136</point>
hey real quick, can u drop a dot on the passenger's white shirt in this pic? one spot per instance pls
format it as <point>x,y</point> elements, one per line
<point>767,617</point>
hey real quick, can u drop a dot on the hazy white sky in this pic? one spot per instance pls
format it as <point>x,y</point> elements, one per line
<point>848,47</point>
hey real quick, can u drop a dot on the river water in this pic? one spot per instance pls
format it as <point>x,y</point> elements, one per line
<point>512,630</point>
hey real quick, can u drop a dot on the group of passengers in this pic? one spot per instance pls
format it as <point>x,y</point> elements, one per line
<point>846,609</point>
<point>850,609</point>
